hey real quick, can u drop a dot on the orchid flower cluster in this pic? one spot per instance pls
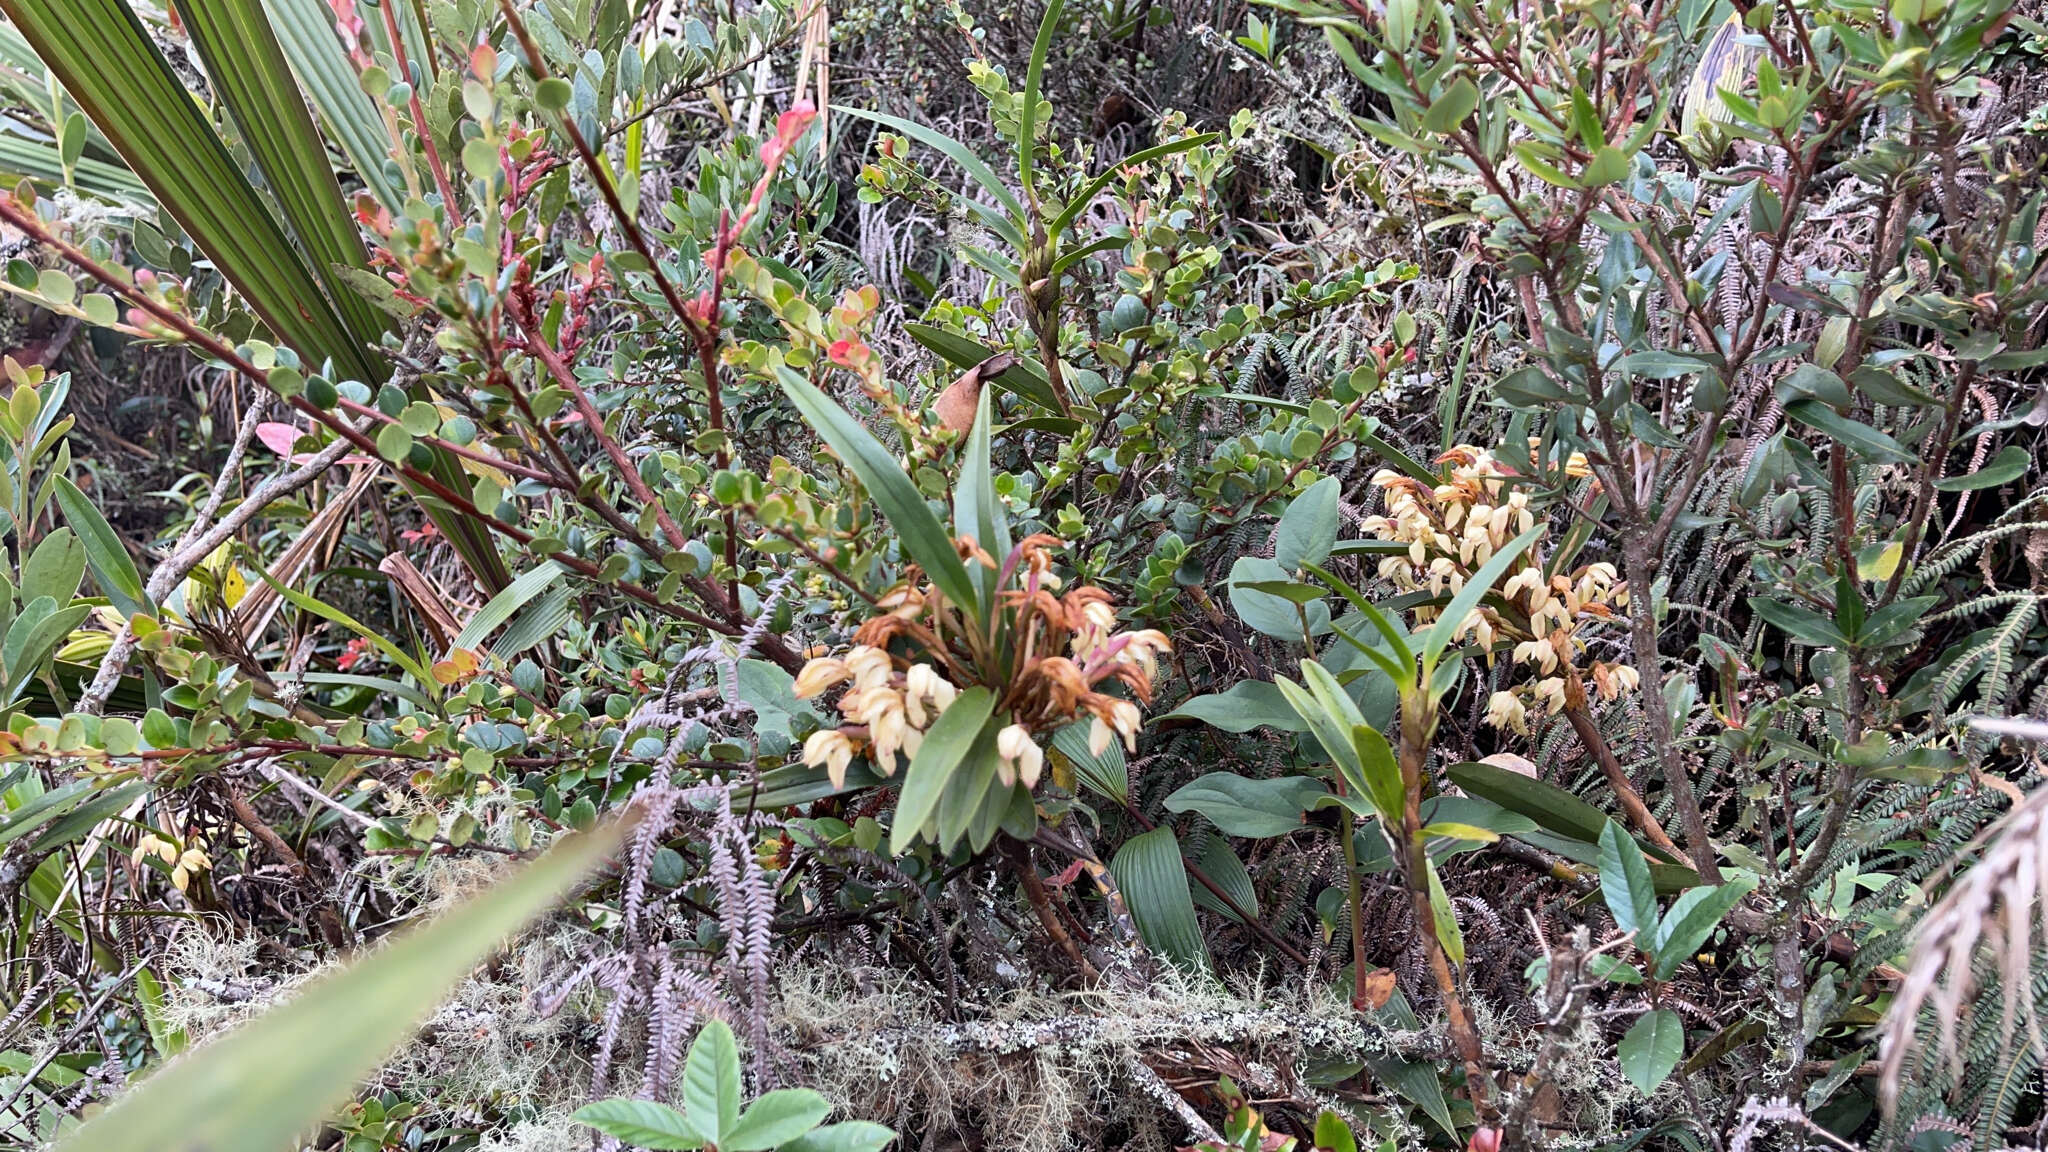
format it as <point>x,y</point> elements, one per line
<point>1044,654</point>
<point>184,863</point>
<point>1452,529</point>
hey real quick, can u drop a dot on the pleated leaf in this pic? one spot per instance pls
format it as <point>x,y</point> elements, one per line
<point>43,166</point>
<point>249,72</point>
<point>305,30</point>
<point>1154,881</point>
<point>105,59</point>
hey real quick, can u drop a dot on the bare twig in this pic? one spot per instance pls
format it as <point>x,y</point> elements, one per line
<point>195,546</point>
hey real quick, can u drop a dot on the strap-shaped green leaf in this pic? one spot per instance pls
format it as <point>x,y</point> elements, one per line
<point>1370,768</point>
<point>1094,187</point>
<point>973,795</point>
<point>923,536</point>
<point>1034,82</point>
<point>1547,804</point>
<point>945,745</point>
<point>1448,933</point>
<point>976,511</point>
<point>1481,582</point>
<point>1330,731</point>
<point>110,561</point>
<point>249,72</point>
<point>1026,377</point>
<point>799,783</point>
<point>62,800</point>
<point>329,612</point>
<point>1008,227</point>
<point>1395,635</point>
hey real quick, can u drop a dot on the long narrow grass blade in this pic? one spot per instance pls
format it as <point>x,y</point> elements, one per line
<point>1004,222</point>
<point>1027,111</point>
<point>39,162</point>
<point>104,57</point>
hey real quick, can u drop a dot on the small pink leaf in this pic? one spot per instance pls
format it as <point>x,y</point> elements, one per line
<point>279,438</point>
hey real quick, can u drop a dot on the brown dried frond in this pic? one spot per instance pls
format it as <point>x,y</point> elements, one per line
<point>1995,905</point>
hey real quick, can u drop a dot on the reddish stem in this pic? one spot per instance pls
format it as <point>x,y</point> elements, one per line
<point>419,118</point>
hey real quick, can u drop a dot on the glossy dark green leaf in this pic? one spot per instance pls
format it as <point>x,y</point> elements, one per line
<point>2010,465</point>
<point>1249,704</point>
<point>110,561</point>
<point>1691,919</point>
<point>1861,438</point>
<point>1546,804</point>
<point>1625,882</point>
<point>1025,378</point>
<point>1652,1048</point>
<point>1241,806</point>
<point>1806,626</point>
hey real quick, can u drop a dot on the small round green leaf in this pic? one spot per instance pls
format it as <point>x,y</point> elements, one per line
<point>393,442</point>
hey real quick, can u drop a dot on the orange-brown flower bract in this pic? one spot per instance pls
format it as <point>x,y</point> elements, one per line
<point>1048,658</point>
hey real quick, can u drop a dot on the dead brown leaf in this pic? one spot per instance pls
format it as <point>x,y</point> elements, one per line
<point>957,405</point>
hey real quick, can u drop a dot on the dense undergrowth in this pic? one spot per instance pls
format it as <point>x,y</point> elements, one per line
<point>1425,574</point>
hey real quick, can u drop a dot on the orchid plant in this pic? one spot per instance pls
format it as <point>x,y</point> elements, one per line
<point>968,664</point>
<point>1451,527</point>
